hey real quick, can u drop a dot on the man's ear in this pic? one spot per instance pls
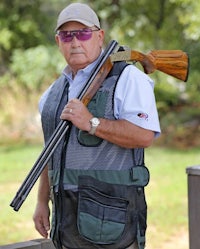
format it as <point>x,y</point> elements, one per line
<point>101,36</point>
<point>57,39</point>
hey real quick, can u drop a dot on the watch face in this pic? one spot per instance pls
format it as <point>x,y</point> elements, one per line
<point>95,121</point>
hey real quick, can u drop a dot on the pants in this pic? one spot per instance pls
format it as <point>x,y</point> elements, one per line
<point>133,246</point>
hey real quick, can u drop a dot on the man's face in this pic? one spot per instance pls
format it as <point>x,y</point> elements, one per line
<point>77,53</point>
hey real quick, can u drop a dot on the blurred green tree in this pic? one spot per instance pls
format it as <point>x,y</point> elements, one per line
<point>161,24</point>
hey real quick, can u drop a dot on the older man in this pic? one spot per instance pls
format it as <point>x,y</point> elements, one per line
<point>95,175</point>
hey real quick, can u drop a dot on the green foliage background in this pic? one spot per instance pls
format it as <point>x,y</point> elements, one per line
<point>30,60</point>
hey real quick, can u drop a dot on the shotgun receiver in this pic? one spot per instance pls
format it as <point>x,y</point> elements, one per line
<point>155,60</point>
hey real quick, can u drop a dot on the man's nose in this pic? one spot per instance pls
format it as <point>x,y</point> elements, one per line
<point>75,41</point>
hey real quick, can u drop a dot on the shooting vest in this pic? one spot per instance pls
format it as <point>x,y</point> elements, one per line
<point>97,187</point>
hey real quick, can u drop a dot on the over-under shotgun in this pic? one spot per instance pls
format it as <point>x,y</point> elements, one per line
<point>173,62</point>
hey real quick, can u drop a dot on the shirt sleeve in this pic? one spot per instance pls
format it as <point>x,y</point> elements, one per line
<point>135,100</point>
<point>43,99</point>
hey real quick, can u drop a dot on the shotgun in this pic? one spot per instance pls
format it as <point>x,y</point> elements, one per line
<point>94,82</point>
<point>176,63</point>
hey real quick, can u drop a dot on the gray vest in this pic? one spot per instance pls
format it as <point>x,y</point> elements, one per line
<point>84,151</point>
<point>90,163</point>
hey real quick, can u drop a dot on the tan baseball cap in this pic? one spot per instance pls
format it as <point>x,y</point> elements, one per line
<point>78,12</point>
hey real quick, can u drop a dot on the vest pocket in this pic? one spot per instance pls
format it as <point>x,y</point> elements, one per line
<point>101,217</point>
<point>97,106</point>
<point>88,140</point>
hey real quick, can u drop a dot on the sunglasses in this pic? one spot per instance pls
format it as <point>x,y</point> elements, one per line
<point>81,34</point>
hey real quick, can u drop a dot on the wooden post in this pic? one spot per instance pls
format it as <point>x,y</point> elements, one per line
<point>194,206</point>
<point>32,244</point>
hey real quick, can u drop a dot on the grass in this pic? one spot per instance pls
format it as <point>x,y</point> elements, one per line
<point>16,161</point>
<point>166,194</point>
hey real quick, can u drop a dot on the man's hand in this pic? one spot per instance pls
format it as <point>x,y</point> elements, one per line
<point>41,219</point>
<point>76,112</point>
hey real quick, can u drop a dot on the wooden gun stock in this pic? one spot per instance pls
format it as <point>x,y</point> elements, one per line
<point>172,62</point>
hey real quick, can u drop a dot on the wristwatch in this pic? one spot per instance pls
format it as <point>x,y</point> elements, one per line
<point>94,124</point>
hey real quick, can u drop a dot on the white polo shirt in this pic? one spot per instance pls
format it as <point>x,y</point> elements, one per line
<point>134,98</point>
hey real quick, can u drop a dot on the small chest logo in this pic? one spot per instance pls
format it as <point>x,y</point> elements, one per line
<point>143,115</point>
